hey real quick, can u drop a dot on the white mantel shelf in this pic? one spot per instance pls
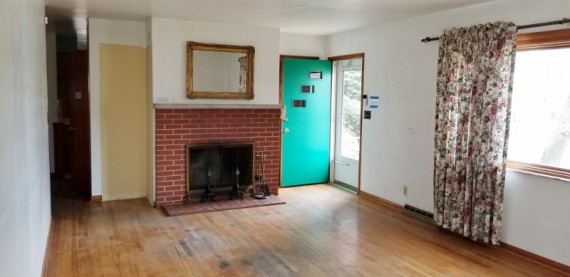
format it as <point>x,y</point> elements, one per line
<point>218,106</point>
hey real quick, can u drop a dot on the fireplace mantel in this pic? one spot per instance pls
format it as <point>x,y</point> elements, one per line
<point>218,106</point>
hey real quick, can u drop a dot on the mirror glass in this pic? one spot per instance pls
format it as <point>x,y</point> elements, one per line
<point>218,71</point>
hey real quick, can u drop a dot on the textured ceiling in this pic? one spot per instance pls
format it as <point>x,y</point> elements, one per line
<point>316,17</point>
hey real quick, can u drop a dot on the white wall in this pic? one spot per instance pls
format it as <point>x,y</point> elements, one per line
<point>397,143</point>
<point>25,211</point>
<point>302,45</point>
<point>536,215</point>
<point>103,31</point>
<point>169,37</point>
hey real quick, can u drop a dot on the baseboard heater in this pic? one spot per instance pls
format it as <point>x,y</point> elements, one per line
<point>418,213</point>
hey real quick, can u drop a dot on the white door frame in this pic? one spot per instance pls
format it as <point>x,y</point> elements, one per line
<point>333,164</point>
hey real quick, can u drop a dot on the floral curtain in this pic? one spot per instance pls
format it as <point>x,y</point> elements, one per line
<point>474,85</point>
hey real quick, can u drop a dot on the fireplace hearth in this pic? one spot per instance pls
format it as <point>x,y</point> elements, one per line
<point>219,171</point>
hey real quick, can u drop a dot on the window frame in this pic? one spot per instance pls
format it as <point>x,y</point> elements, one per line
<point>540,41</point>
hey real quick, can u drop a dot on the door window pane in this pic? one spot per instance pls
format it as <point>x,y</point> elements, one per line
<point>350,133</point>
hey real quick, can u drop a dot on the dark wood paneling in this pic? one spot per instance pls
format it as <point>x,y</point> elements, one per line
<point>73,94</point>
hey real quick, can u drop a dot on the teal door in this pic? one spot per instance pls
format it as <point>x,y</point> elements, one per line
<point>306,128</point>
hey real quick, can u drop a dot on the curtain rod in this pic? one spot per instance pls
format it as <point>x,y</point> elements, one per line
<point>519,27</point>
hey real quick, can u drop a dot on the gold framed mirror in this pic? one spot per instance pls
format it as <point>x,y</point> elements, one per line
<point>218,71</point>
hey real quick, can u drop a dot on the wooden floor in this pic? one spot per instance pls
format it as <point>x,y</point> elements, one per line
<point>321,231</point>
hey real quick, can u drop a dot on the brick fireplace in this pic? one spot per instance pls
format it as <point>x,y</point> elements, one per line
<point>177,128</point>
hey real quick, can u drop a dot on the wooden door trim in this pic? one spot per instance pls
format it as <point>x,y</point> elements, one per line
<point>96,199</point>
<point>348,57</point>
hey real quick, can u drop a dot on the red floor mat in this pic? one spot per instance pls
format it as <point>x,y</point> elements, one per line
<point>221,205</point>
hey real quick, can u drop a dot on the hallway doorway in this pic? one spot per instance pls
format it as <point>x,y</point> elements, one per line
<point>69,117</point>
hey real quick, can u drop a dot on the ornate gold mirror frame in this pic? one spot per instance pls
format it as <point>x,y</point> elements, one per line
<point>218,71</point>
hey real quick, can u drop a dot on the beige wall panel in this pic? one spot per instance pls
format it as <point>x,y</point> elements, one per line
<point>124,130</point>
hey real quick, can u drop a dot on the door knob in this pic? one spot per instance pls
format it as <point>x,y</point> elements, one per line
<point>286,130</point>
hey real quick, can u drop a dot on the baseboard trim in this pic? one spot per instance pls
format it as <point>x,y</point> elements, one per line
<point>381,201</point>
<point>47,252</point>
<point>562,268</point>
<point>124,196</point>
<point>96,199</point>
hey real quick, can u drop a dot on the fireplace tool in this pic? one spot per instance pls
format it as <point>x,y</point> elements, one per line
<point>236,192</point>
<point>264,186</point>
<point>262,190</point>
<point>208,195</point>
<point>257,191</point>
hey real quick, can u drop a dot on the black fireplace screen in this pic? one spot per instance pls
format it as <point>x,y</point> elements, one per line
<point>217,164</point>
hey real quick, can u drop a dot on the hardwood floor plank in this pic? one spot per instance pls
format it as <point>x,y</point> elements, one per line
<point>321,231</point>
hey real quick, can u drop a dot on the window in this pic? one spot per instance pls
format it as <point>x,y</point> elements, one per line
<point>539,139</point>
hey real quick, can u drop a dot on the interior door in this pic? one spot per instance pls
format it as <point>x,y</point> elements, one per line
<point>348,88</point>
<point>73,95</point>
<point>306,125</point>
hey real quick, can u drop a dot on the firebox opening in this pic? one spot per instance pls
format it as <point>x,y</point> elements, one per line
<point>217,164</point>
